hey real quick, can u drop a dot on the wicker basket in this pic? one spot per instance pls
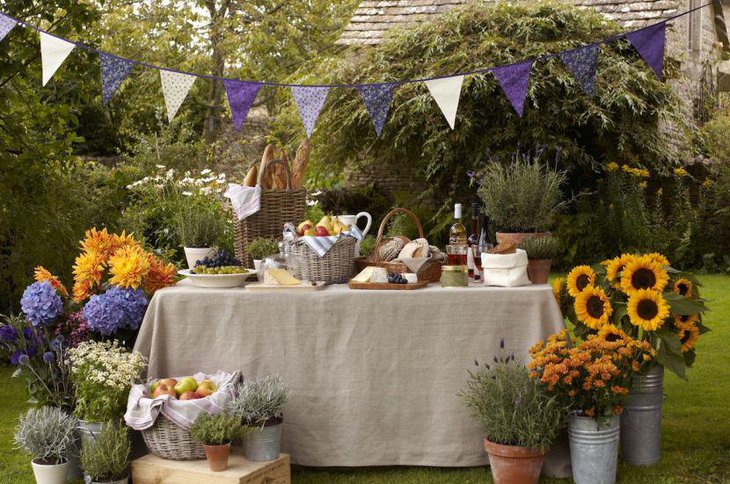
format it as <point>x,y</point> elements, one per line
<point>277,208</point>
<point>165,439</point>
<point>430,271</point>
<point>335,267</point>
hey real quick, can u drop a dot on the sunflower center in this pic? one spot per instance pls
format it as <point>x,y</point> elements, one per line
<point>582,282</point>
<point>643,278</point>
<point>685,337</point>
<point>612,337</point>
<point>682,288</point>
<point>647,309</point>
<point>594,306</point>
<point>684,318</point>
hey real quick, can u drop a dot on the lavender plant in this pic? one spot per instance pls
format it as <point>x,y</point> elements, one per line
<point>259,401</point>
<point>48,434</point>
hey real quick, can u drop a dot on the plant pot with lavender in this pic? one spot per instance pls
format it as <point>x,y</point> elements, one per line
<point>540,253</point>
<point>261,248</point>
<point>47,434</point>
<point>520,420</point>
<point>258,405</point>
<point>200,229</point>
<point>216,433</point>
<point>106,459</point>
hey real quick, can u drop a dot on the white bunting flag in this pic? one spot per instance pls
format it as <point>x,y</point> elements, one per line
<point>175,88</point>
<point>446,92</point>
<point>53,52</point>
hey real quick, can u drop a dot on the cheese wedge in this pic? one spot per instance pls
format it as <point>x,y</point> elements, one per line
<point>280,277</point>
<point>379,275</point>
<point>364,275</point>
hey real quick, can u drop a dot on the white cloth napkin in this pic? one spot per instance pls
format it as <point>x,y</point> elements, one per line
<point>246,201</point>
<point>322,245</point>
<point>142,411</point>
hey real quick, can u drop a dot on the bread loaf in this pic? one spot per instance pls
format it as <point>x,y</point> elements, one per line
<point>279,173</point>
<point>269,154</point>
<point>299,166</point>
<point>251,176</point>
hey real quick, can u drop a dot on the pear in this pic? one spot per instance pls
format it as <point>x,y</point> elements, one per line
<point>326,222</point>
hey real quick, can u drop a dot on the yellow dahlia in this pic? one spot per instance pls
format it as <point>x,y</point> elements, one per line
<point>98,242</point>
<point>557,285</point>
<point>593,307</point>
<point>614,268</point>
<point>657,257</point>
<point>647,309</point>
<point>120,241</point>
<point>41,274</point>
<point>643,273</point>
<point>580,278</point>
<point>128,266</point>
<point>683,287</point>
<point>81,291</point>
<point>688,336</point>
<point>89,268</point>
<point>159,276</point>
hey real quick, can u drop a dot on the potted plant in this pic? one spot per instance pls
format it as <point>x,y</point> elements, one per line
<point>47,434</point>
<point>521,197</point>
<point>200,228</point>
<point>259,249</point>
<point>106,459</point>
<point>520,420</point>
<point>216,433</point>
<point>258,405</point>
<point>540,252</point>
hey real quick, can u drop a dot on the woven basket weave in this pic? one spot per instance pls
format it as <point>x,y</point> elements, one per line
<point>277,208</point>
<point>335,267</point>
<point>165,439</point>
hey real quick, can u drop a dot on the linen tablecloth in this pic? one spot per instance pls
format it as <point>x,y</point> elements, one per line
<point>373,375</point>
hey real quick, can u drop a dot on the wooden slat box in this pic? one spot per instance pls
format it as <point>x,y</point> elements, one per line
<point>151,469</point>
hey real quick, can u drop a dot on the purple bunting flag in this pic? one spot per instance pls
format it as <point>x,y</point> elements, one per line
<point>582,62</point>
<point>310,100</point>
<point>514,79</point>
<point>6,25</point>
<point>649,42</point>
<point>241,96</point>
<point>377,98</point>
<point>114,70</point>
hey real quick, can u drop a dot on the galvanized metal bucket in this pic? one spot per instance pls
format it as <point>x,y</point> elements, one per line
<point>89,430</point>
<point>641,421</point>
<point>593,449</point>
<point>262,444</point>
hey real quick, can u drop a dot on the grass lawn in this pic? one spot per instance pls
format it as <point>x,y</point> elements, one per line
<point>695,438</point>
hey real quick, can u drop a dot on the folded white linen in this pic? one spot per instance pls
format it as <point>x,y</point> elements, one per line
<point>245,201</point>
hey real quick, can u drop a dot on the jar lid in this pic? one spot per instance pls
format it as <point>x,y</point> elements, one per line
<point>453,268</point>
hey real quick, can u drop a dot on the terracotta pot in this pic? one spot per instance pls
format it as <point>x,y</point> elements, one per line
<point>217,456</point>
<point>513,465</point>
<point>538,270</point>
<point>517,237</point>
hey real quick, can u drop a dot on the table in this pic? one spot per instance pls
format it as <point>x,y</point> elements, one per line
<point>372,374</point>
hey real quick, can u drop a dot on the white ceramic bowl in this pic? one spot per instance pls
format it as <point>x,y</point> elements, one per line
<point>216,280</point>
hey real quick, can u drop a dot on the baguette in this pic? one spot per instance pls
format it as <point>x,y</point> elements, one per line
<point>265,159</point>
<point>251,176</point>
<point>299,166</point>
<point>279,173</point>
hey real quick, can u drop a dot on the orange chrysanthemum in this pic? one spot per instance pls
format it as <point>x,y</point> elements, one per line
<point>128,267</point>
<point>88,269</point>
<point>120,241</point>
<point>81,291</point>
<point>98,242</point>
<point>160,275</point>
<point>41,274</point>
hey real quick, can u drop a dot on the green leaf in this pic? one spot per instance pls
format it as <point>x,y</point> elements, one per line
<point>669,353</point>
<point>619,311</point>
<point>683,306</point>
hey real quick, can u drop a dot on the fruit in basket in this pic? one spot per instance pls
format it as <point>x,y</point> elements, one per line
<point>311,232</point>
<point>163,389</point>
<point>186,384</point>
<point>304,226</point>
<point>322,231</point>
<point>205,388</point>
<point>170,382</point>
<point>338,227</point>
<point>326,222</point>
<point>190,396</point>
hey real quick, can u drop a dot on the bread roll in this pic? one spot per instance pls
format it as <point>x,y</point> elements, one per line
<point>299,166</point>
<point>251,176</point>
<point>269,154</point>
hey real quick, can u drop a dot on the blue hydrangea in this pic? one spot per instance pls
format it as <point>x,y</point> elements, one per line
<point>116,309</point>
<point>41,304</point>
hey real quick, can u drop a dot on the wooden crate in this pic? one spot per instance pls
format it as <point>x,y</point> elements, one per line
<point>151,469</point>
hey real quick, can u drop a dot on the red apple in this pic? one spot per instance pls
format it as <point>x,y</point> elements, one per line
<point>206,388</point>
<point>322,232</point>
<point>189,396</point>
<point>163,389</point>
<point>169,382</point>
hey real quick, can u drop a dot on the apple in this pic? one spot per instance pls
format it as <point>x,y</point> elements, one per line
<point>154,386</point>
<point>304,226</point>
<point>186,384</point>
<point>322,231</point>
<point>311,231</point>
<point>190,396</point>
<point>170,382</point>
<point>163,389</point>
<point>206,388</point>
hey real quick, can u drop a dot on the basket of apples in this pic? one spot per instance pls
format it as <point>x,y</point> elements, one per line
<point>164,409</point>
<point>336,265</point>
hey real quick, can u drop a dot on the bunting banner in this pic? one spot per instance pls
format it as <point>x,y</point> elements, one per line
<point>241,95</point>
<point>310,100</point>
<point>175,88</point>
<point>514,79</point>
<point>114,70</point>
<point>447,92</point>
<point>583,64</point>
<point>53,52</point>
<point>377,98</point>
<point>6,25</point>
<point>649,42</point>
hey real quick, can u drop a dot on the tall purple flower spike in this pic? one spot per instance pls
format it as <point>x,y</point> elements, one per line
<point>649,42</point>
<point>241,96</point>
<point>310,100</point>
<point>6,25</point>
<point>377,98</point>
<point>582,62</point>
<point>114,70</point>
<point>514,79</point>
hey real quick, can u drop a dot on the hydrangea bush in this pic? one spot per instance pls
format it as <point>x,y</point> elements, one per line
<point>41,304</point>
<point>114,310</point>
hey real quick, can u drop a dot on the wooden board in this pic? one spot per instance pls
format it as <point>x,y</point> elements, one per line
<point>260,286</point>
<point>385,286</point>
<point>151,469</point>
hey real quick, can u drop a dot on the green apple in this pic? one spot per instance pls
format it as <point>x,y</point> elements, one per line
<point>206,388</point>
<point>186,384</point>
<point>154,386</point>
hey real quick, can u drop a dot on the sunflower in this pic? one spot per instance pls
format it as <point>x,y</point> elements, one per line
<point>128,266</point>
<point>41,274</point>
<point>643,273</point>
<point>580,278</point>
<point>593,307</point>
<point>688,336</point>
<point>647,309</point>
<point>657,257</point>
<point>611,333</point>
<point>614,268</point>
<point>159,276</point>
<point>557,285</point>
<point>683,287</point>
<point>88,268</point>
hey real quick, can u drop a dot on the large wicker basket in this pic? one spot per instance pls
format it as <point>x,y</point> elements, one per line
<point>277,208</point>
<point>430,271</point>
<point>335,267</point>
<point>165,439</point>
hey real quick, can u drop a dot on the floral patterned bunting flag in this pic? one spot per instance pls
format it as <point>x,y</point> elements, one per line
<point>241,96</point>
<point>582,63</point>
<point>446,92</point>
<point>310,100</point>
<point>175,88</point>
<point>114,70</point>
<point>377,98</point>
<point>649,42</point>
<point>514,79</point>
<point>53,52</point>
<point>6,25</point>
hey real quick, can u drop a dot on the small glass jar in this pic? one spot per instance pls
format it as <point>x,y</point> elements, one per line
<point>454,276</point>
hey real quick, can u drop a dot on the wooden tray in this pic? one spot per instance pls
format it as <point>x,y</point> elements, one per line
<point>261,287</point>
<point>386,286</point>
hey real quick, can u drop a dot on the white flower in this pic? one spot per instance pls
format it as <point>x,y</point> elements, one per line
<point>160,167</point>
<point>205,172</point>
<point>187,194</point>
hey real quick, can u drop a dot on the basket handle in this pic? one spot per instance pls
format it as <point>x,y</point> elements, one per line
<point>266,167</point>
<point>384,223</point>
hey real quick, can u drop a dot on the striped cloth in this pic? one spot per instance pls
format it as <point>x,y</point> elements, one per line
<point>322,245</point>
<point>142,411</point>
